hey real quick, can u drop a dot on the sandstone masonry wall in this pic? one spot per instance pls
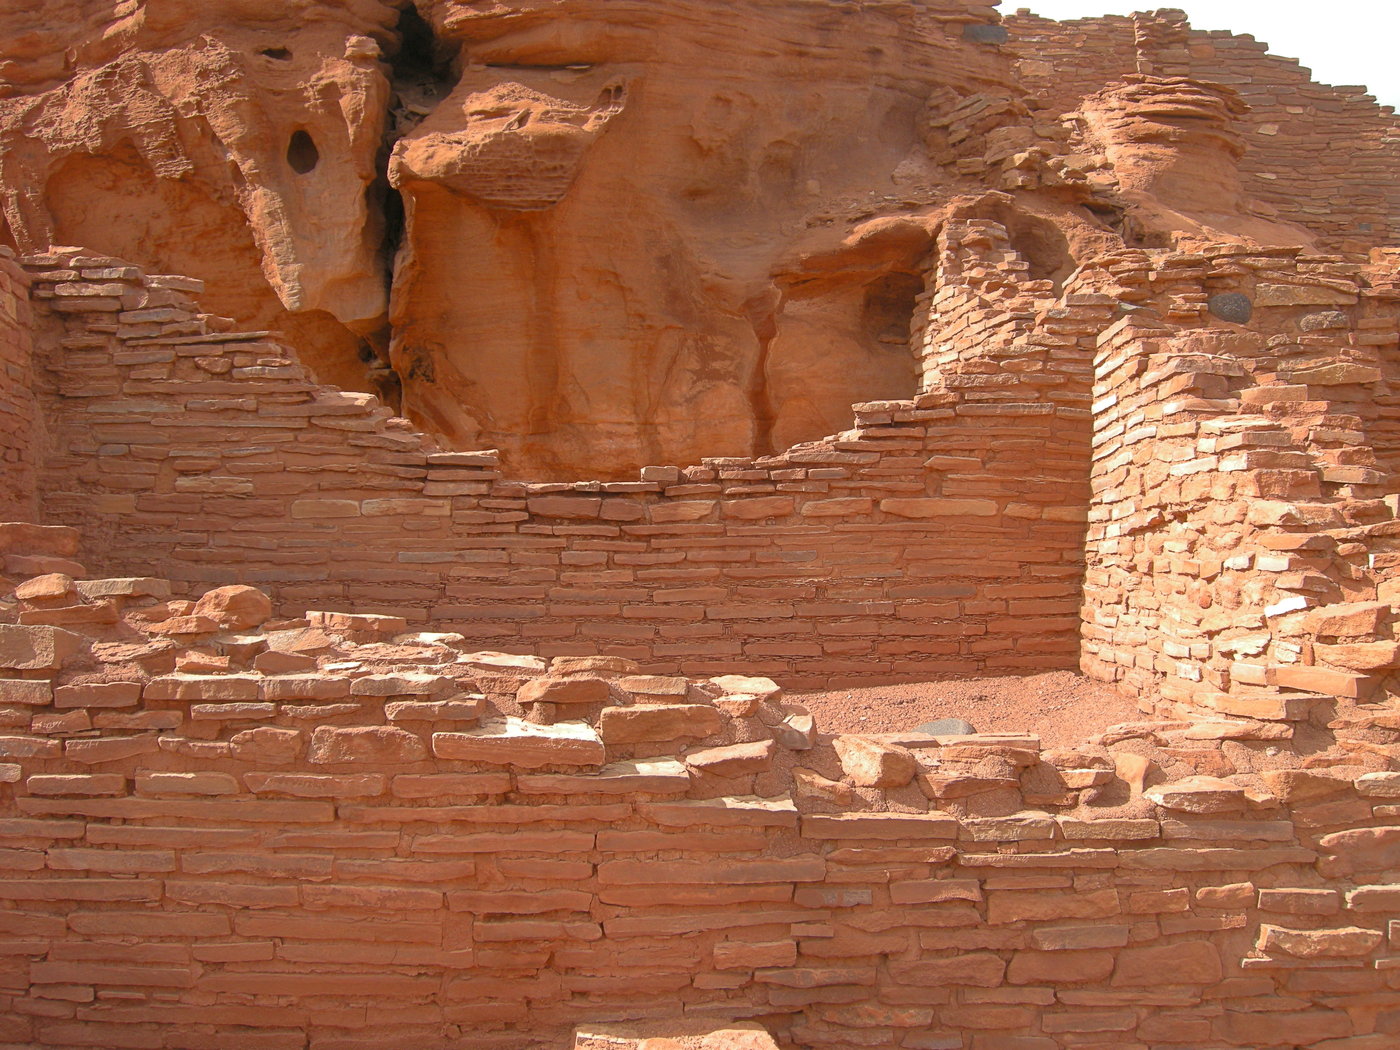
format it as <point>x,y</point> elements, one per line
<point>1242,535</point>
<point>20,442</point>
<point>941,535</point>
<point>220,830</point>
<point>1321,155</point>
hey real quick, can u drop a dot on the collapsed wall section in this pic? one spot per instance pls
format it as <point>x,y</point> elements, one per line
<point>940,535</point>
<point>20,440</point>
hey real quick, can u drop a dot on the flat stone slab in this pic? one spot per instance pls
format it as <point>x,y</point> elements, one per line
<point>515,742</point>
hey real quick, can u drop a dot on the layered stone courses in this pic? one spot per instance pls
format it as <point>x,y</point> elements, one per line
<point>915,537</point>
<point>347,741</point>
<point>20,441</point>
<point>410,840</point>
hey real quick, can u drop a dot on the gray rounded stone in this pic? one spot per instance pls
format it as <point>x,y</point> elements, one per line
<point>1322,321</point>
<point>947,727</point>
<point>980,33</point>
<point>1234,307</point>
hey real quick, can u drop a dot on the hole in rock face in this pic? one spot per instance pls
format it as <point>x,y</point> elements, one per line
<point>281,54</point>
<point>302,154</point>
<point>1043,246</point>
<point>889,305</point>
<point>421,68</point>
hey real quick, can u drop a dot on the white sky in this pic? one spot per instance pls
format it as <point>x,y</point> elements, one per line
<point>1341,41</point>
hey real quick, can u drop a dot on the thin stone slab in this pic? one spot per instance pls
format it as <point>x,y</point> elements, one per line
<point>513,741</point>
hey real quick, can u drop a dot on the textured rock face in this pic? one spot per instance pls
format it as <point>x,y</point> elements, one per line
<point>241,153</point>
<point>597,234</point>
<point>1174,145</point>
<point>608,219</point>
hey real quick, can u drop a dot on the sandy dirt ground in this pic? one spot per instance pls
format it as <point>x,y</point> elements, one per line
<point>1061,707</point>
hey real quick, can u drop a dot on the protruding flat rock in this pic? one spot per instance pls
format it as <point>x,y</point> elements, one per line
<point>515,742</point>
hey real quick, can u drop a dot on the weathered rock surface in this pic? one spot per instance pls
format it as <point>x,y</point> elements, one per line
<point>592,237</point>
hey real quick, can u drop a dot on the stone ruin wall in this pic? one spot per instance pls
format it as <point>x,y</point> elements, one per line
<point>249,851</point>
<point>1322,156</point>
<point>345,829</point>
<point>945,531</point>
<point>332,832</point>
<point>20,446</point>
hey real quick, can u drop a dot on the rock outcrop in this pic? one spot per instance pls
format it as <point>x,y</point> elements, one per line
<point>597,237</point>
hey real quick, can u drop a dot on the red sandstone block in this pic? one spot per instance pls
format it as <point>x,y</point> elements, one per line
<point>316,785</point>
<point>237,895</point>
<point>1040,905</point>
<point>1077,1021</point>
<point>113,860</point>
<point>642,924</point>
<point>36,648</point>
<point>284,1039</point>
<point>585,690</point>
<point>267,865</point>
<point>362,953</point>
<point>125,1037</point>
<point>883,826</point>
<point>433,785</point>
<point>736,841</point>
<point>332,839</point>
<point>28,747</point>
<point>144,924</point>
<point>759,508</point>
<point>658,722</point>
<point>54,722</point>
<point>574,815</point>
<point>1156,902</point>
<point>1075,938</point>
<point>111,749</point>
<point>1060,967</point>
<point>1300,901</point>
<point>175,838</point>
<point>519,903</point>
<point>1285,1028</point>
<point>92,889</point>
<point>397,869</point>
<point>969,970</point>
<point>186,784</point>
<point>21,691</point>
<point>28,924</point>
<point>533,930</point>
<point>931,891</point>
<point>373,898</point>
<point>515,742</point>
<point>1188,962</point>
<point>532,868</point>
<point>231,711</point>
<point>377,744</point>
<point>304,687</point>
<point>21,860</point>
<point>76,784</point>
<point>630,872</point>
<point>722,812</point>
<point>40,830</point>
<point>202,687</point>
<point>296,926</point>
<point>338,985</point>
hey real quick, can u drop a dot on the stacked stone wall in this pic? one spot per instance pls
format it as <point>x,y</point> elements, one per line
<point>940,535</point>
<point>1242,527</point>
<point>20,426</point>
<point>327,834</point>
<point>1322,156</point>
